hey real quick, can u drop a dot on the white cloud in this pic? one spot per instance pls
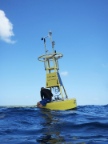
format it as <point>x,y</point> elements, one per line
<point>6,28</point>
<point>65,73</point>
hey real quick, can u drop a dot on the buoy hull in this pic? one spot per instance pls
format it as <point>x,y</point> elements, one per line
<point>61,105</point>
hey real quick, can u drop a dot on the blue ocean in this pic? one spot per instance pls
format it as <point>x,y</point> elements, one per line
<point>31,125</point>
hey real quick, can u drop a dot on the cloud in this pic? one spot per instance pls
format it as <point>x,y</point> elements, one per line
<point>6,28</point>
<point>65,73</point>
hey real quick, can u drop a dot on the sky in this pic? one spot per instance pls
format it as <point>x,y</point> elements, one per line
<point>80,31</point>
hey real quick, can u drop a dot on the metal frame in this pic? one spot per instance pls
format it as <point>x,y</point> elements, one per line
<point>53,78</point>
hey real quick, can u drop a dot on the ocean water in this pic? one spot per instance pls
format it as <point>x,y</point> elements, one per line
<point>31,125</point>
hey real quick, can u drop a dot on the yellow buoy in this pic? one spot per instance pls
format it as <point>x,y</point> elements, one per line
<point>53,79</point>
<point>61,105</point>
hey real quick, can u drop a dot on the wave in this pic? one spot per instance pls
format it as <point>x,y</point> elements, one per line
<point>87,124</point>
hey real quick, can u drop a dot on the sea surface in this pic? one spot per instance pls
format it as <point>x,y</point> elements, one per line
<point>31,125</point>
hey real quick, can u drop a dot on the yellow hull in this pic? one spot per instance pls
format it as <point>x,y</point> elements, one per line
<point>61,105</point>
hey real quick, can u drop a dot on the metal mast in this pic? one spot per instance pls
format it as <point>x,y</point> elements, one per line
<point>53,79</point>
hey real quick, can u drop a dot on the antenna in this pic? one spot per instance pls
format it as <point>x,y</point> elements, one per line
<point>52,42</point>
<point>44,39</point>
